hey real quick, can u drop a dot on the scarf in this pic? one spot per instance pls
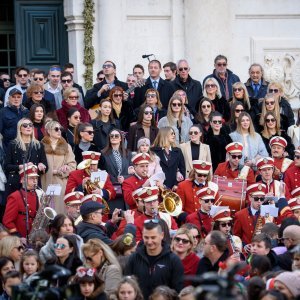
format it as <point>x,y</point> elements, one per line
<point>117,108</point>
<point>146,126</point>
<point>84,146</point>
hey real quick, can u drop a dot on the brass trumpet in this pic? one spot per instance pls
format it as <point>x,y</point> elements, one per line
<point>171,203</point>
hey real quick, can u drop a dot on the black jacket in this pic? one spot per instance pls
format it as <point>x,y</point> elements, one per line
<point>126,116</point>
<point>91,231</point>
<point>192,88</point>
<point>47,105</point>
<point>78,152</point>
<point>91,97</point>
<point>166,269</point>
<point>261,92</point>
<point>172,165</point>
<point>165,90</point>
<point>286,110</point>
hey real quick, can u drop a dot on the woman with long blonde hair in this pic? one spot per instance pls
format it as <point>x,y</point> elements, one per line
<point>240,93</point>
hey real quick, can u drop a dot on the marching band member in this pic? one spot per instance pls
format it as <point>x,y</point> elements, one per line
<point>202,218</point>
<point>232,169</point>
<point>294,203</point>
<point>199,177</point>
<point>292,175</point>
<point>149,195</point>
<point>282,163</point>
<point>266,167</point>
<point>78,179</point>
<point>15,214</point>
<point>72,204</point>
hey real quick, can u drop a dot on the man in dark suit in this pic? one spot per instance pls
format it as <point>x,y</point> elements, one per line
<point>101,90</point>
<point>165,89</point>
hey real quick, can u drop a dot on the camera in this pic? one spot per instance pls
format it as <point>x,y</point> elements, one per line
<point>121,213</point>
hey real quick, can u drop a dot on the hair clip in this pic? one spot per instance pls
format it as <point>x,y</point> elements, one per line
<point>81,271</point>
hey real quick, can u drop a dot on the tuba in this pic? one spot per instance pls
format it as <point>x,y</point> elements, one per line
<point>171,203</point>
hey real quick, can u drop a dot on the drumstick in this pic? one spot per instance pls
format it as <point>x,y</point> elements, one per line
<point>218,202</point>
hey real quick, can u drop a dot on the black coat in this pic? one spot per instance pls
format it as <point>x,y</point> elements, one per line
<point>78,152</point>
<point>47,105</point>
<point>192,88</point>
<point>48,96</point>
<point>170,166</point>
<point>217,144</point>
<point>91,97</point>
<point>261,92</point>
<point>165,90</point>
<point>126,116</point>
<point>14,158</point>
<point>136,131</point>
<point>166,269</point>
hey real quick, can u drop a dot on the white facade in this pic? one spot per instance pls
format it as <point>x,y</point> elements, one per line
<point>246,31</point>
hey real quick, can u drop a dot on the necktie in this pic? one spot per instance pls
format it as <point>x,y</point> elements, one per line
<point>155,84</point>
<point>255,89</point>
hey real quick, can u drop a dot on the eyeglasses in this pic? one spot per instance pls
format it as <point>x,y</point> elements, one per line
<point>184,241</point>
<point>225,224</point>
<point>194,132</point>
<point>58,129</point>
<point>114,136</point>
<point>270,120</point>
<point>38,79</point>
<point>297,156</point>
<point>184,68</point>
<point>25,125</point>
<point>206,106</point>
<point>239,110</point>
<point>217,122</point>
<point>90,132</point>
<point>275,91</point>
<point>209,200</point>
<point>73,98</point>
<point>261,199</point>
<point>20,248</point>
<point>154,221</point>
<point>210,85</point>
<point>40,92</point>
<point>107,66</point>
<point>151,95</point>
<point>221,64</point>
<point>176,104</point>
<point>237,89</point>
<point>201,175</point>
<point>77,117</point>
<point>22,75</point>
<point>118,95</point>
<point>59,246</point>
<point>5,79</point>
<point>148,112</point>
<point>66,81</point>
<point>270,103</point>
<point>100,78</point>
<point>236,156</point>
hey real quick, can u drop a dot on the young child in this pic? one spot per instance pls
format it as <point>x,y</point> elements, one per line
<point>10,279</point>
<point>30,265</point>
<point>90,284</point>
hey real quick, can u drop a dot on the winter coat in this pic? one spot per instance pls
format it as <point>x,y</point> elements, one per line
<point>166,269</point>
<point>47,105</point>
<point>78,152</point>
<point>261,92</point>
<point>126,116</point>
<point>63,111</point>
<point>61,155</point>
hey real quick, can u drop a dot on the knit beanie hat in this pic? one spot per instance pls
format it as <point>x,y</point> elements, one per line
<point>291,280</point>
<point>143,141</point>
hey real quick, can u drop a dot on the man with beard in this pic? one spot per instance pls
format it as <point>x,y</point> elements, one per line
<point>72,204</point>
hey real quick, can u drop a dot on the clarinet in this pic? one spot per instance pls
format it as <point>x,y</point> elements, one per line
<point>232,244</point>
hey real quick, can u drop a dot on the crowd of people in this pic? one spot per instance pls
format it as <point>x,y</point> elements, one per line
<point>151,188</point>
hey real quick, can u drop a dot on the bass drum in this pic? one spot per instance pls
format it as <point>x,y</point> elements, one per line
<point>232,192</point>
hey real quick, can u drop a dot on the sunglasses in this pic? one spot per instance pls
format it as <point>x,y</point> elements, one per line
<point>210,85</point>
<point>107,66</point>
<point>148,112</point>
<point>20,248</point>
<point>221,64</point>
<point>77,117</point>
<point>201,175</point>
<point>270,120</point>
<point>5,79</point>
<point>100,78</point>
<point>151,95</point>
<point>261,199</point>
<point>58,129</point>
<point>38,78</point>
<point>22,75</point>
<point>270,103</point>
<point>236,156</point>
<point>217,122</point>
<point>172,133</point>
<point>114,136</point>
<point>154,221</point>
<point>184,241</point>
<point>184,68</point>
<point>40,92</point>
<point>25,125</point>
<point>90,258</point>
<point>73,98</point>
<point>239,110</point>
<point>176,104</point>
<point>194,132</point>
<point>118,95</point>
<point>209,200</point>
<point>90,132</point>
<point>297,156</point>
<point>237,89</point>
<point>59,246</point>
<point>206,106</point>
<point>66,81</point>
<point>197,237</point>
<point>225,224</point>
<point>273,91</point>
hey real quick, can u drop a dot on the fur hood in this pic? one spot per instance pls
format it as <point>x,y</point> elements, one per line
<point>61,147</point>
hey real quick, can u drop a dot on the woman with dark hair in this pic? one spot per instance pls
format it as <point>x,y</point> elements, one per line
<point>236,108</point>
<point>103,123</point>
<point>71,97</point>
<point>74,118</point>
<point>6,265</point>
<point>61,225</point>
<point>144,127</point>
<point>37,116</point>
<point>83,140</point>
<point>122,110</point>
<point>217,138</point>
<point>205,109</point>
